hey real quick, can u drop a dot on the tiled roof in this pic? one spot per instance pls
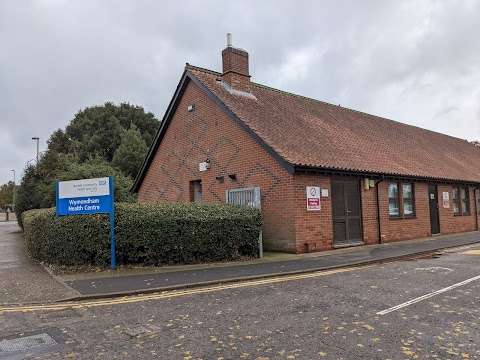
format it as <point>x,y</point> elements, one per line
<point>312,133</point>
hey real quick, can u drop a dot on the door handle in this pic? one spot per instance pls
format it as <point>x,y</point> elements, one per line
<point>349,211</point>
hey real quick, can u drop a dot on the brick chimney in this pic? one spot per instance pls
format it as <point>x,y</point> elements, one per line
<point>235,67</point>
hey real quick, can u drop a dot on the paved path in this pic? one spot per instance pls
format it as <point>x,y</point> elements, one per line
<point>92,284</point>
<point>21,279</point>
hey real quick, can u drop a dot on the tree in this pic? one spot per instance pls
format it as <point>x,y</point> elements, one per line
<point>97,130</point>
<point>6,194</point>
<point>27,196</point>
<point>85,149</point>
<point>131,152</point>
<point>37,191</point>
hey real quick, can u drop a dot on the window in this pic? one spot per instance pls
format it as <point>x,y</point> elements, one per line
<point>477,195</point>
<point>407,190</point>
<point>393,200</point>
<point>405,208</point>
<point>461,203</point>
<point>196,191</point>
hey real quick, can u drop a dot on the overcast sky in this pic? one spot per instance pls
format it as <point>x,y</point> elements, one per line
<point>417,62</point>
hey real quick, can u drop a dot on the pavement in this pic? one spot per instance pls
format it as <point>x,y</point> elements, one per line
<point>22,280</point>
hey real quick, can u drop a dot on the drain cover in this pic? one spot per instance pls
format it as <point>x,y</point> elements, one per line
<point>12,346</point>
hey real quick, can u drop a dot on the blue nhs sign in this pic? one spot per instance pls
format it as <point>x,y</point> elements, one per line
<point>86,196</point>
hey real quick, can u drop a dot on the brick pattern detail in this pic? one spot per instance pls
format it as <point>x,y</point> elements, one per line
<point>208,133</point>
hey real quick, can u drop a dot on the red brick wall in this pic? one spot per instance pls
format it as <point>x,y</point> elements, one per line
<point>369,215</point>
<point>450,223</point>
<point>419,227</point>
<point>312,227</point>
<point>208,132</point>
<point>405,228</point>
<point>477,224</point>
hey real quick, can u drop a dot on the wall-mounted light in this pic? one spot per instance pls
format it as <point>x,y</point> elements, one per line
<point>191,107</point>
<point>219,179</point>
<point>366,183</point>
<point>233,176</point>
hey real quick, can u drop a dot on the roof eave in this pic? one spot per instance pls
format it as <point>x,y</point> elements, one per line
<point>387,175</point>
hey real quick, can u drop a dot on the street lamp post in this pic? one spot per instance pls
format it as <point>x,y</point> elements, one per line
<point>14,189</point>
<point>36,138</point>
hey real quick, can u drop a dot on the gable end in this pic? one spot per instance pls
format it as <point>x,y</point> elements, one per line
<point>184,81</point>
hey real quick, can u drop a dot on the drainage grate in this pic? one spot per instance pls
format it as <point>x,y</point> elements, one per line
<point>12,346</point>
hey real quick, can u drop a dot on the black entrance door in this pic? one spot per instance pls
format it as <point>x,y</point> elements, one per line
<point>346,213</point>
<point>433,202</point>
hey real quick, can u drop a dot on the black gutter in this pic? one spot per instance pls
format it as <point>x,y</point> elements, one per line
<point>382,175</point>
<point>379,222</point>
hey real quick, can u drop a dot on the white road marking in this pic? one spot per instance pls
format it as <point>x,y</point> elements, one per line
<point>397,307</point>
<point>434,269</point>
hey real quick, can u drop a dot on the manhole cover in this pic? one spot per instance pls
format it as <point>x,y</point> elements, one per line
<point>12,346</point>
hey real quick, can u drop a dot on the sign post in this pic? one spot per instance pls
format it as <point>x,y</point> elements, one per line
<point>112,225</point>
<point>87,196</point>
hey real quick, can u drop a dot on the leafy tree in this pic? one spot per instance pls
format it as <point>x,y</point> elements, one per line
<point>6,194</point>
<point>27,196</point>
<point>85,149</point>
<point>131,152</point>
<point>97,130</point>
<point>59,142</point>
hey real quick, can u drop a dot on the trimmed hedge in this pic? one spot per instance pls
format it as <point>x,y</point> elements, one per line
<point>151,234</point>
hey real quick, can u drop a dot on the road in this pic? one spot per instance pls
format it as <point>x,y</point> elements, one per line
<point>421,309</point>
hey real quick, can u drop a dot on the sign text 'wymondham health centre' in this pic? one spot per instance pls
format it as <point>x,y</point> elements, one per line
<point>88,196</point>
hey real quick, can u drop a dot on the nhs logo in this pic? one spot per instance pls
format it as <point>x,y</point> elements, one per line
<point>102,182</point>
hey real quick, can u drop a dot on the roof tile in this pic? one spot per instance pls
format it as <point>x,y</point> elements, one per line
<point>312,133</point>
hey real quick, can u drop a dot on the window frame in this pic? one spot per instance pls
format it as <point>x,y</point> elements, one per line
<point>460,200</point>
<point>477,198</point>
<point>394,199</point>
<point>400,200</point>
<point>411,199</point>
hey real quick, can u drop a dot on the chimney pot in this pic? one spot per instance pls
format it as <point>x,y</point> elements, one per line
<point>229,40</point>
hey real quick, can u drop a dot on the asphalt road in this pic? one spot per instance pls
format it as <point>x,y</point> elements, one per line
<point>422,309</point>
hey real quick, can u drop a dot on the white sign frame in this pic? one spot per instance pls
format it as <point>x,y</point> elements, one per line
<point>313,198</point>
<point>83,188</point>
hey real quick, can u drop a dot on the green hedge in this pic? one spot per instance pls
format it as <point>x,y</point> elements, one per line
<point>152,234</point>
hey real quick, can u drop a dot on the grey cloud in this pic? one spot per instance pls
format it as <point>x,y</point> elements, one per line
<point>407,61</point>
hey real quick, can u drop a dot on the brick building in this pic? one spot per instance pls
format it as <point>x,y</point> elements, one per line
<point>370,180</point>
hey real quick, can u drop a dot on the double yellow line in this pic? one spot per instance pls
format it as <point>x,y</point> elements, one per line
<point>175,293</point>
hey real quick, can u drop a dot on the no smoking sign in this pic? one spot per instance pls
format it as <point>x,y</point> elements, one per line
<point>313,198</point>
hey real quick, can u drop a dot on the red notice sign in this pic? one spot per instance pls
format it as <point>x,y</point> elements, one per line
<point>313,198</point>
